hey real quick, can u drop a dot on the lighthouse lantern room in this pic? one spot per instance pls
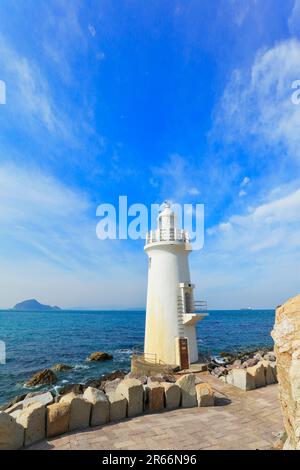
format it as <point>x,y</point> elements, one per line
<point>172,312</point>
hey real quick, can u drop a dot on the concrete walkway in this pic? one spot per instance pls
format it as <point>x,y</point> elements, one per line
<point>241,420</point>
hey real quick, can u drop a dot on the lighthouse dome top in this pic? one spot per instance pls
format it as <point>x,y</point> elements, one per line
<point>167,230</point>
<point>167,218</point>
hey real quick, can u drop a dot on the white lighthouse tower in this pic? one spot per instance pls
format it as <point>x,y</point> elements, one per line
<point>171,317</point>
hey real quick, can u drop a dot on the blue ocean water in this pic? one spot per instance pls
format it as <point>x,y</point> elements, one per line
<point>36,340</point>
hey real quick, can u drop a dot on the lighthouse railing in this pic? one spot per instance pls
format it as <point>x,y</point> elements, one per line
<point>199,306</point>
<point>166,235</point>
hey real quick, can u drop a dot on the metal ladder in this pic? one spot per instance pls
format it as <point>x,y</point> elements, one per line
<point>180,313</point>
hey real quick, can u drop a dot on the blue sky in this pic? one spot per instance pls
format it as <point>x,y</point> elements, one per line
<point>187,100</point>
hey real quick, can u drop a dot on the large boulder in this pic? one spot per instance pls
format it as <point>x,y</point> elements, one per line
<point>71,388</point>
<point>172,395</point>
<point>187,384</point>
<point>133,391</point>
<point>99,356</point>
<point>11,433</point>
<point>44,377</point>
<point>258,373</point>
<point>100,406</point>
<point>132,375</point>
<point>33,420</point>
<point>117,406</point>
<point>162,378</point>
<point>205,394</point>
<point>80,411</point>
<point>58,417</point>
<point>116,374</point>
<point>286,335</point>
<point>110,385</point>
<point>155,396</point>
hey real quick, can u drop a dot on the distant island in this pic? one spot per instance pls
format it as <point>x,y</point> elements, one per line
<point>32,305</point>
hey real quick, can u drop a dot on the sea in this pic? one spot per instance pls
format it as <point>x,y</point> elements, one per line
<point>38,340</point>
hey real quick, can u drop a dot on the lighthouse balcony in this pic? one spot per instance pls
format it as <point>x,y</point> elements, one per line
<point>167,235</point>
<point>190,319</point>
<point>196,312</point>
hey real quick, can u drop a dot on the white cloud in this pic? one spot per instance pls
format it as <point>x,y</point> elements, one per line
<point>28,90</point>
<point>92,30</point>
<point>62,26</point>
<point>177,178</point>
<point>49,248</point>
<point>253,258</point>
<point>276,220</point>
<point>194,191</point>
<point>256,108</point>
<point>242,193</point>
<point>294,19</point>
<point>245,181</point>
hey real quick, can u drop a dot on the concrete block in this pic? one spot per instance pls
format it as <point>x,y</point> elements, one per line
<point>33,420</point>
<point>205,395</point>
<point>57,419</point>
<point>100,406</point>
<point>11,433</point>
<point>133,391</point>
<point>80,411</point>
<point>188,390</point>
<point>172,395</point>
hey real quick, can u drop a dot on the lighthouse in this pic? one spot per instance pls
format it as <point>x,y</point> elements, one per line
<point>172,313</point>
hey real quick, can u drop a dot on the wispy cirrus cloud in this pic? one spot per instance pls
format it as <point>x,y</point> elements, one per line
<point>256,107</point>
<point>28,92</point>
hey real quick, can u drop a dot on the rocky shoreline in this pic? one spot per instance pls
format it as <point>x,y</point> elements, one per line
<point>219,366</point>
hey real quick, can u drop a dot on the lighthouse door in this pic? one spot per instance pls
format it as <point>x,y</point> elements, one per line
<point>184,353</point>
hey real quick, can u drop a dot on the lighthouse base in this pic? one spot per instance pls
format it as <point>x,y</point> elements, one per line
<point>143,367</point>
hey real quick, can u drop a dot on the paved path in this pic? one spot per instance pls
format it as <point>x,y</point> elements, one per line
<point>242,420</point>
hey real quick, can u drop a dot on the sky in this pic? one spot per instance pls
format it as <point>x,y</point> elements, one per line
<point>184,100</point>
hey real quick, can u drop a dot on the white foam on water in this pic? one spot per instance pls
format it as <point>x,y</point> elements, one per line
<point>81,366</point>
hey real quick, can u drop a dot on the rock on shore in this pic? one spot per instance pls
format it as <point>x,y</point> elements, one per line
<point>44,377</point>
<point>286,335</point>
<point>99,356</point>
